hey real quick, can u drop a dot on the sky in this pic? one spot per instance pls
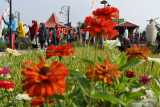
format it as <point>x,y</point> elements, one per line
<point>135,11</point>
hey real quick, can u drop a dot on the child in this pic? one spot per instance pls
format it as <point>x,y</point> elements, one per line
<point>22,36</point>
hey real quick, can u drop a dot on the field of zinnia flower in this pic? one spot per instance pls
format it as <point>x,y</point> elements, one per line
<point>124,88</point>
<point>64,76</point>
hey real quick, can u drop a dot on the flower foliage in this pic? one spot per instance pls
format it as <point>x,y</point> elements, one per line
<point>145,80</point>
<point>6,84</point>
<point>64,50</point>
<point>107,13</point>
<point>4,71</point>
<point>40,101</point>
<point>23,97</point>
<point>44,80</point>
<point>136,51</point>
<point>129,74</point>
<point>106,71</point>
<point>102,24</point>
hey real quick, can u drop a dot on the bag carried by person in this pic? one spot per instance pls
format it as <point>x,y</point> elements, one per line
<point>33,41</point>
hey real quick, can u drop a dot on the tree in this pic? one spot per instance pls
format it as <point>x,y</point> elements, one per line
<point>4,31</point>
<point>83,26</point>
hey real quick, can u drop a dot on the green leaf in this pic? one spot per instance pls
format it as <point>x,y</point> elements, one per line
<point>121,59</point>
<point>101,59</point>
<point>59,97</point>
<point>74,73</point>
<point>84,85</point>
<point>88,62</point>
<point>157,82</point>
<point>7,95</point>
<point>9,64</point>
<point>57,102</point>
<point>106,97</point>
<point>131,64</point>
<point>136,94</point>
<point>74,93</point>
<point>120,87</point>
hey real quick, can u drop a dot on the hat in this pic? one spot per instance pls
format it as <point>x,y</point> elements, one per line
<point>12,16</point>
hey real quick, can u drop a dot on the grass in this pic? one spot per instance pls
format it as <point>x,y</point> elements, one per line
<point>74,63</point>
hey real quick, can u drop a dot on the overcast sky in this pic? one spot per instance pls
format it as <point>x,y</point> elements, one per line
<point>135,11</point>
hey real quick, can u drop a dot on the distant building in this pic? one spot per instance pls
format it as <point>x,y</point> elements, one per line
<point>121,27</point>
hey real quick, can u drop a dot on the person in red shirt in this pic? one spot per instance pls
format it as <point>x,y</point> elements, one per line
<point>58,36</point>
<point>33,32</point>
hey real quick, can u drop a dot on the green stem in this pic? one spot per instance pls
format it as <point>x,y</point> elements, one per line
<point>103,83</point>
<point>60,59</point>
<point>108,56</point>
<point>92,82</point>
<point>47,102</point>
<point>152,67</point>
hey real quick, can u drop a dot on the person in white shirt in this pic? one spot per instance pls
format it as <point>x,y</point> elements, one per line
<point>126,33</point>
<point>61,36</point>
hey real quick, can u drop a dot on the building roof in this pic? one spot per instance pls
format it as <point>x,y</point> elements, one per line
<point>53,21</point>
<point>127,24</point>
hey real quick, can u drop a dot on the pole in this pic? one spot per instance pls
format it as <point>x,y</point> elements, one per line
<point>118,26</point>
<point>68,14</point>
<point>18,17</point>
<point>10,19</point>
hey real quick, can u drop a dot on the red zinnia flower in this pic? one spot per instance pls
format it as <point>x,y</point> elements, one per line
<point>44,80</point>
<point>100,26</point>
<point>64,50</point>
<point>106,71</point>
<point>6,84</point>
<point>145,80</point>
<point>107,12</point>
<point>129,74</point>
<point>136,51</point>
<point>40,101</point>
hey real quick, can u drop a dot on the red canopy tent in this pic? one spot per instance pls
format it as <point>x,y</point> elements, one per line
<point>53,21</point>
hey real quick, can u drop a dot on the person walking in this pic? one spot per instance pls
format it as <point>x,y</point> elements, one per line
<point>54,35</point>
<point>13,30</point>
<point>33,33</point>
<point>22,36</point>
<point>43,35</point>
<point>58,36</point>
<point>61,37</point>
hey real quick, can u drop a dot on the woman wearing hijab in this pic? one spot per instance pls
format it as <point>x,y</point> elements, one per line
<point>33,33</point>
<point>43,34</point>
<point>22,36</point>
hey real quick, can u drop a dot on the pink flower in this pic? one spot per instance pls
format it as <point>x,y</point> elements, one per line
<point>145,80</point>
<point>4,70</point>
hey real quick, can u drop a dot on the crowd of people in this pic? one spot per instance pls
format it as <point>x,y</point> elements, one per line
<point>43,37</point>
<point>40,36</point>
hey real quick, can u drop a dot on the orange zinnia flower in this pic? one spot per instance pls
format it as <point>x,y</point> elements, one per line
<point>100,26</point>
<point>44,80</point>
<point>107,12</point>
<point>64,50</point>
<point>40,101</point>
<point>106,71</point>
<point>136,51</point>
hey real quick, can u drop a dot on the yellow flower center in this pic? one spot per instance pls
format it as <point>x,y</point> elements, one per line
<point>46,65</point>
<point>1,70</point>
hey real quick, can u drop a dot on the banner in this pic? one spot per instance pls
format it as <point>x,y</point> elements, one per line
<point>3,16</point>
